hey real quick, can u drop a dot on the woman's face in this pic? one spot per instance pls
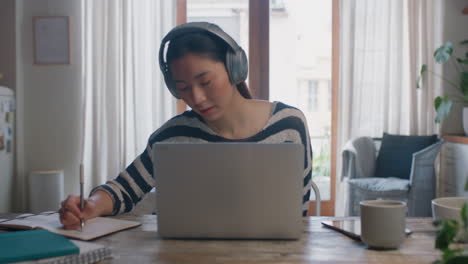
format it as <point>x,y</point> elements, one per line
<point>203,84</point>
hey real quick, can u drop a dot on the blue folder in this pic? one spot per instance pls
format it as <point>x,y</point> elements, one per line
<point>34,244</point>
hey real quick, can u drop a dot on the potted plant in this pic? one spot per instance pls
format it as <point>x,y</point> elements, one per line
<point>458,87</point>
<point>449,234</point>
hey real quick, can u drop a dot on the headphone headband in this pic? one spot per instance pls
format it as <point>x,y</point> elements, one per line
<point>236,60</point>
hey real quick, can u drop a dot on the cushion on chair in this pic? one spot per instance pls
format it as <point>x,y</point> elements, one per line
<point>381,184</point>
<point>361,189</point>
<point>396,154</point>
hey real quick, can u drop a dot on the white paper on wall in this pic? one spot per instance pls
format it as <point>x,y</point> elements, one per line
<point>5,106</point>
<point>12,106</point>
<point>7,133</point>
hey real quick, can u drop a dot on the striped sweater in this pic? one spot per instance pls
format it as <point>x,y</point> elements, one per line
<point>286,124</point>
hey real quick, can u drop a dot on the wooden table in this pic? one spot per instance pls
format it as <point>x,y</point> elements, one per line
<point>317,245</point>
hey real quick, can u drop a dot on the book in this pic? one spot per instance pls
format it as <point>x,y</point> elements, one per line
<point>34,244</point>
<point>94,228</point>
<point>89,253</point>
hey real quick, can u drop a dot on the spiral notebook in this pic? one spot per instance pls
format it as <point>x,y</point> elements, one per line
<point>89,253</point>
<point>94,228</point>
<point>34,244</point>
<point>42,246</point>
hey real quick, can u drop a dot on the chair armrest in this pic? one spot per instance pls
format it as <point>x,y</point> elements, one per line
<point>318,198</point>
<point>422,160</point>
<point>359,157</point>
<point>423,180</point>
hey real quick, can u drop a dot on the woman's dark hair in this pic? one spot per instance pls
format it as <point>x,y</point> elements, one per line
<point>202,44</point>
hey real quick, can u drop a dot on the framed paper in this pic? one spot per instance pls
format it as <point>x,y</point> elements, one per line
<point>51,40</point>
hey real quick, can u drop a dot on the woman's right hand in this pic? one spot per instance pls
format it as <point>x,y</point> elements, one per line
<point>70,213</point>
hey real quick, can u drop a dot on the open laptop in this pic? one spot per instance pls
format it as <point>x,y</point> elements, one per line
<point>229,190</point>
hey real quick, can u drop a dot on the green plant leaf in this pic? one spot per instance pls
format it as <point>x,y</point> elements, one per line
<point>422,71</point>
<point>449,254</point>
<point>443,53</point>
<point>437,102</point>
<point>464,42</point>
<point>466,184</point>
<point>443,105</point>
<point>462,61</point>
<point>446,234</point>
<point>464,216</point>
<point>458,260</point>
<point>464,82</point>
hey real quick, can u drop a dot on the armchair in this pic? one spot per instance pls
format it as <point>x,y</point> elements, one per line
<point>359,168</point>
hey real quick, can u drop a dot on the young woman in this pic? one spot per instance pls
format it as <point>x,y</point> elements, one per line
<point>207,69</point>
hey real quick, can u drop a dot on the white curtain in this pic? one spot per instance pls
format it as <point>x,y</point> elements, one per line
<point>382,47</point>
<point>125,95</point>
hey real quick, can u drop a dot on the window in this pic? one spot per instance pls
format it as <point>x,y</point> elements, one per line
<point>312,96</point>
<point>231,16</point>
<point>277,4</point>
<point>298,65</point>
<point>301,53</point>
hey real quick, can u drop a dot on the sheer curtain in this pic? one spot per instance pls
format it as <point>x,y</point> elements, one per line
<point>125,96</point>
<point>382,46</point>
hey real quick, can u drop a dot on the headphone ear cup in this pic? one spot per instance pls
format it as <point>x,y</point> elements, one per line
<point>236,66</point>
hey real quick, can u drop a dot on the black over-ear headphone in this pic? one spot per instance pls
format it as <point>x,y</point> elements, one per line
<point>236,60</point>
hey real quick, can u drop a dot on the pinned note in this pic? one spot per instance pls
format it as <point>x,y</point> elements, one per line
<point>5,106</point>
<point>6,136</point>
<point>9,117</point>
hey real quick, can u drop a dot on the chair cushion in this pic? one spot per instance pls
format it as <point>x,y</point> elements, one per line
<point>396,154</point>
<point>381,184</point>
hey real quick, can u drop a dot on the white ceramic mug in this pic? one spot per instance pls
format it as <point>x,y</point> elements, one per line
<point>383,223</point>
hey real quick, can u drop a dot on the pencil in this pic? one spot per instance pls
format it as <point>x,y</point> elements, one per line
<point>81,195</point>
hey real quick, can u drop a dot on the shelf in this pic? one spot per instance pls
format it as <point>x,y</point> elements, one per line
<point>456,139</point>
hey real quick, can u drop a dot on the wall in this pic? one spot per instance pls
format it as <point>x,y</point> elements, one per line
<point>455,30</point>
<point>7,45</point>
<point>49,105</point>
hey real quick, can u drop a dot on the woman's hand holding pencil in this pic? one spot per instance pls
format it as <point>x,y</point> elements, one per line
<point>71,215</point>
<point>99,204</point>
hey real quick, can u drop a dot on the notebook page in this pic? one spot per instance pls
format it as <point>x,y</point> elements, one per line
<point>34,221</point>
<point>93,228</point>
